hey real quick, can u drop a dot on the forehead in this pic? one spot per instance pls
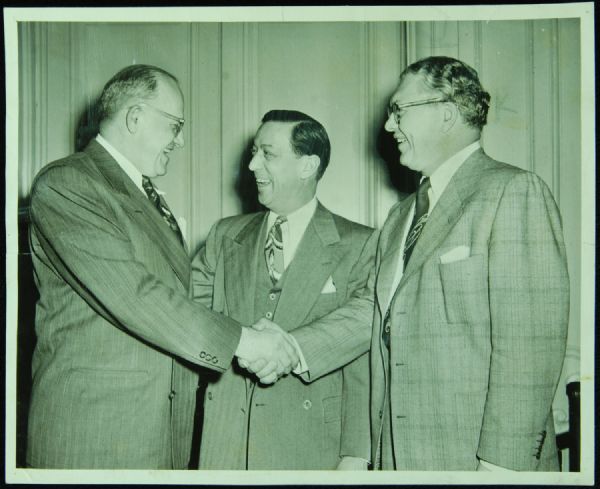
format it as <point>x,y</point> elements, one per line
<point>274,134</point>
<point>169,96</point>
<point>411,89</point>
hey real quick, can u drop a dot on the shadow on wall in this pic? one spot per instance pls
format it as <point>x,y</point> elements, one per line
<point>26,339</point>
<point>403,179</point>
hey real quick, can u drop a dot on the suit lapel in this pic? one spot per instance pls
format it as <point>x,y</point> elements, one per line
<point>138,205</point>
<point>240,259</point>
<point>316,258</point>
<point>391,254</point>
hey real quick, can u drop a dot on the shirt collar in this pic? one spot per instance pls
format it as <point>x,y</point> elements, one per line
<point>441,177</point>
<point>129,168</point>
<point>298,219</point>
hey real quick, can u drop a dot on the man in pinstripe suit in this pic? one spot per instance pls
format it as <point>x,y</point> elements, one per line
<point>472,293</point>
<point>119,342</point>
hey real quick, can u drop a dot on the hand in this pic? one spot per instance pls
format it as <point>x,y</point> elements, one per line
<point>266,351</point>
<point>352,463</point>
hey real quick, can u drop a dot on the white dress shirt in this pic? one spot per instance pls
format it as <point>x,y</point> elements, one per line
<point>127,166</point>
<point>293,229</point>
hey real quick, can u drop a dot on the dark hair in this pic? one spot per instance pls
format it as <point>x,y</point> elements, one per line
<point>135,81</point>
<point>309,137</point>
<point>458,82</point>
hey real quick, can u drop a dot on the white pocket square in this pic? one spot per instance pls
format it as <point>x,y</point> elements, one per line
<point>329,287</point>
<point>455,254</point>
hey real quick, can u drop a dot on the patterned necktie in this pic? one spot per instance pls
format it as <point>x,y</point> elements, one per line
<point>274,250</point>
<point>420,219</point>
<point>418,222</point>
<point>161,206</point>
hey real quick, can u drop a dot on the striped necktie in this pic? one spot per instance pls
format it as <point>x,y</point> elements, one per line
<point>162,207</point>
<point>274,250</point>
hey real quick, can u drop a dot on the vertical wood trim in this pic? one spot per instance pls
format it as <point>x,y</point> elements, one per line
<point>366,197</point>
<point>408,39</point>
<point>529,78</point>
<point>555,107</point>
<point>33,105</point>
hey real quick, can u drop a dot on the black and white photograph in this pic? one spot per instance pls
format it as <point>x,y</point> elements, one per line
<point>272,245</point>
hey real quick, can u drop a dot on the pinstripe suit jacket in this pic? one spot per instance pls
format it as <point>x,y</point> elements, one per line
<point>118,338</point>
<point>292,424</point>
<point>477,344</point>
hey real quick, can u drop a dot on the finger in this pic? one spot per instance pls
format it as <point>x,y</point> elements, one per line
<point>268,379</point>
<point>271,367</point>
<point>242,363</point>
<point>257,365</point>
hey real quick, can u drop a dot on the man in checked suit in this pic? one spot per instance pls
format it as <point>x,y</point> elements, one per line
<point>119,341</point>
<point>472,293</point>
<point>295,265</point>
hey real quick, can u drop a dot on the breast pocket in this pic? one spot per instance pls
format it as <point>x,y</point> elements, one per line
<point>464,286</point>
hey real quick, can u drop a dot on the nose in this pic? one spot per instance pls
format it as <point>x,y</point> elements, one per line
<point>390,124</point>
<point>255,162</point>
<point>179,141</point>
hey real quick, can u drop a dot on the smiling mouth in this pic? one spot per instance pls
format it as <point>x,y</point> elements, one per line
<point>261,182</point>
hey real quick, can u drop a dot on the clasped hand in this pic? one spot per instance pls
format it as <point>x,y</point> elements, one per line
<point>267,351</point>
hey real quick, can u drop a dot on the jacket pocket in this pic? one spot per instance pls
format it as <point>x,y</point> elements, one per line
<point>464,287</point>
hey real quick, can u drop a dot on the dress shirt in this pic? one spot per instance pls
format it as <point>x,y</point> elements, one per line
<point>293,229</point>
<point>439,180</point>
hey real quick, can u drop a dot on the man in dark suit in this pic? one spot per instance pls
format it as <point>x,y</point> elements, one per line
<point>472,293</point>
<point>295,265</point>
<point>119,342</point>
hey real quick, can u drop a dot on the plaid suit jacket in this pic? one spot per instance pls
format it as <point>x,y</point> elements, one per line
<point>477,344</point>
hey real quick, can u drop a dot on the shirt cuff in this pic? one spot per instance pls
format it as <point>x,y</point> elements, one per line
<point>302,366</point>
<point>486,466</point>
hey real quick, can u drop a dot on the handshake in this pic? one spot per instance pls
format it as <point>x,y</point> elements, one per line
<point>267,351</point>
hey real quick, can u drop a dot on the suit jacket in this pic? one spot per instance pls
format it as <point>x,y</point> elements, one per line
<point>477,344</point>
<point>118,338</point>
<point>292,424</point>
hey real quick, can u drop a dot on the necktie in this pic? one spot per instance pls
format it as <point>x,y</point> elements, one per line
<point>418,222</point>
<point>162,207</point>
<point>274,250</point>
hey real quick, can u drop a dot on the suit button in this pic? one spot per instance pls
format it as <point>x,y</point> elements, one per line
<point>269,315</point>
<point>380,414</point>
<point>387,327</point>
<point>307,404</point>
<point>202,354</point>
<point>272,296</point>
<point>209,395</point>
<point>171,395</point>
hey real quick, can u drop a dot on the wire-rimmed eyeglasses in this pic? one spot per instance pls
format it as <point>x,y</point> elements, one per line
<point>396,109</point>
<point>179,120</point>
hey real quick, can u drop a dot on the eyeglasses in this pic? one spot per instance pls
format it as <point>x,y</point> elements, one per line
<point>180,121</point>
<point>397,108</point>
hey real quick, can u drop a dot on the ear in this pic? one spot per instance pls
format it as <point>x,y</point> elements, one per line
<point>451,115</point>
<point>309,166</point>
<point>132,119</point>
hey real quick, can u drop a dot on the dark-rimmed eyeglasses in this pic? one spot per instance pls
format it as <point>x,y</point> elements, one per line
<point>396,109</point>
<point>179,121</point>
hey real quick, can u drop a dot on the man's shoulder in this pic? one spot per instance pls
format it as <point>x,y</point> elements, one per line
<point>232,226</point>
<point>67,171</point>
<point>347,228</point>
